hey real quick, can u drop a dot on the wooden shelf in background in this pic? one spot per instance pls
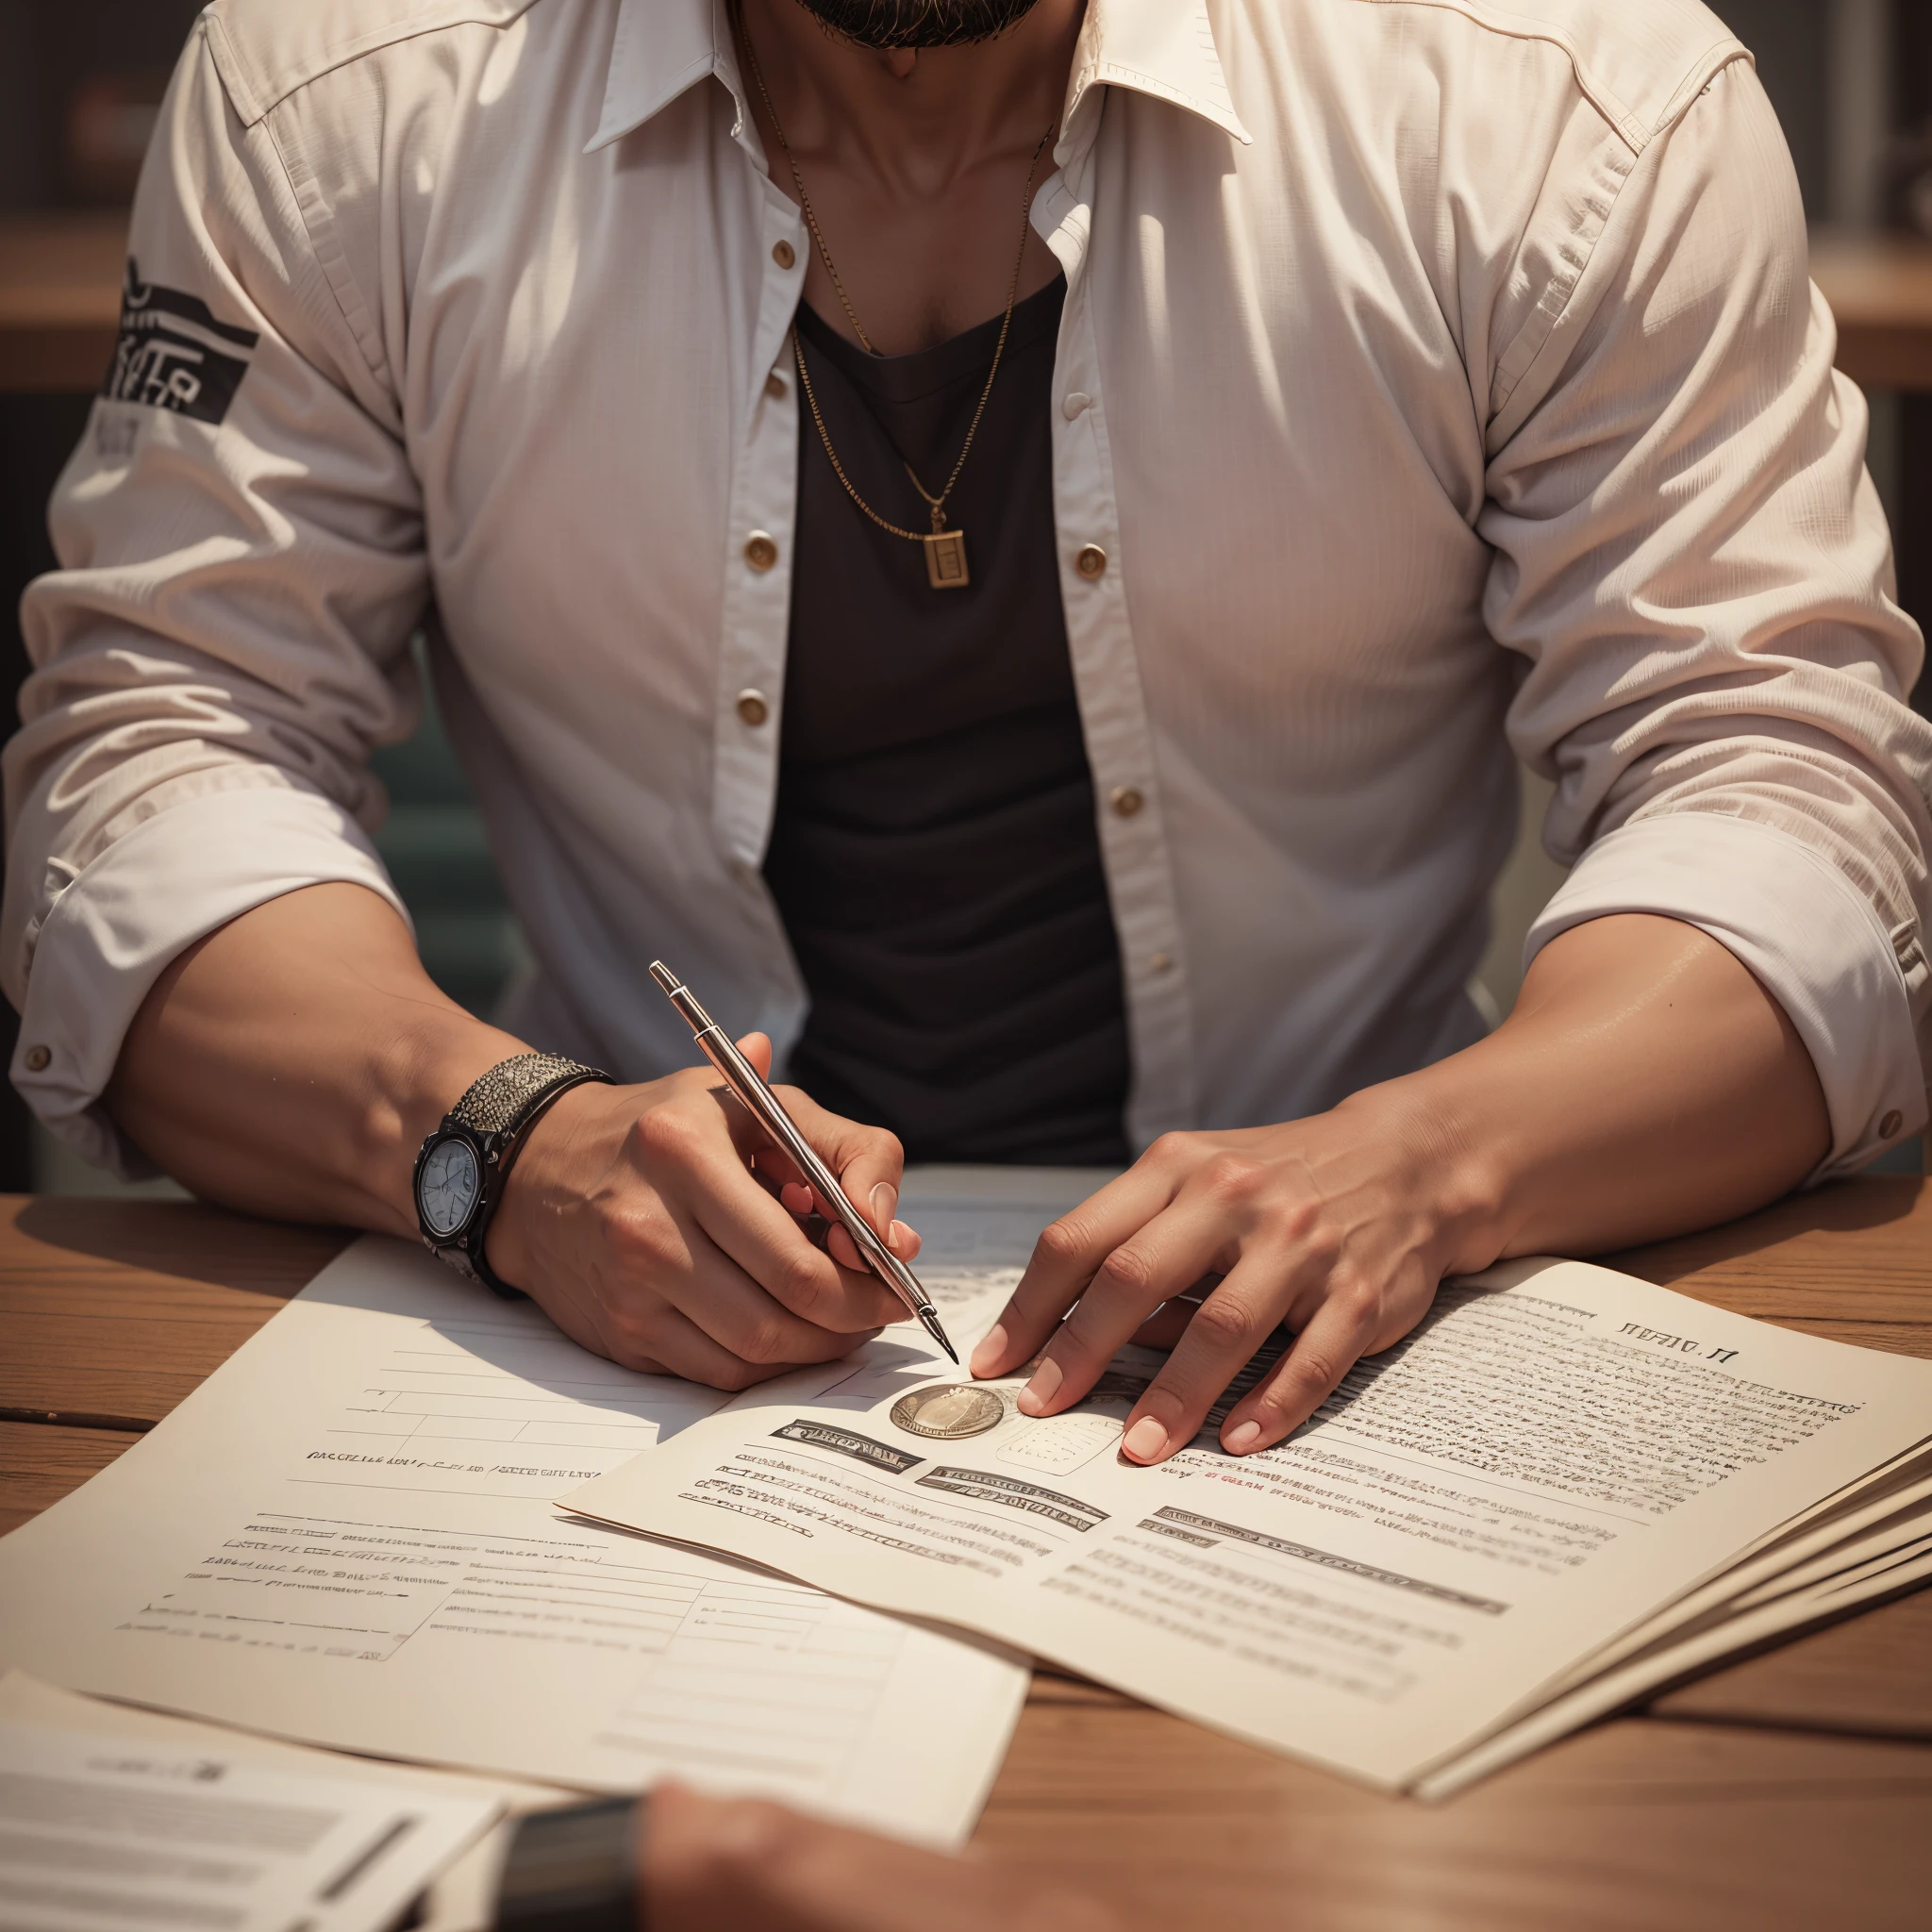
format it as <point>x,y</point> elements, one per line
<point>1880,289</point>
<point>59,298</point>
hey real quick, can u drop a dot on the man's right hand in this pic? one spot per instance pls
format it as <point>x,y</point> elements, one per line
<point>291,1064</point>
<point>636,1217</point>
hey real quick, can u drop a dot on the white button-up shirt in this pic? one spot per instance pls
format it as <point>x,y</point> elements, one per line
<point>1439,386</point>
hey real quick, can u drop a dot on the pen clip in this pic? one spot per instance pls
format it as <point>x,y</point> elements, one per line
<point>681,996</point>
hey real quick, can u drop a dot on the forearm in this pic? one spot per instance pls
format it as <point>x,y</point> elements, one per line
<point>291,1064</point>
<point>1644,1084</point>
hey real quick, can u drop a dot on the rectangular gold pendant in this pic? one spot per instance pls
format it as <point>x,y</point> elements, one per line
<point>945,559</point>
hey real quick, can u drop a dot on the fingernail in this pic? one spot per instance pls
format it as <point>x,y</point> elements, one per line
<point>1040,1392</point>
<point>1145,1439</point>
<point>990,1351</point>
<point>885,1204</point>
<point>1242,1438</point>
<point>898,1237</point>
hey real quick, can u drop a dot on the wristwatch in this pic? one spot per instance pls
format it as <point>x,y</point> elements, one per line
<point>463,1165</point>
<point>574,1870</point>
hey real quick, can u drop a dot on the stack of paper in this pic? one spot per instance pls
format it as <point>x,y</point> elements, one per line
<point>112,1817</point>
<point>1565,1488</point>
<point>347,1536</point>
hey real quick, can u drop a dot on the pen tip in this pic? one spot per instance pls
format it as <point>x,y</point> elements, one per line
<point>929,1321</point>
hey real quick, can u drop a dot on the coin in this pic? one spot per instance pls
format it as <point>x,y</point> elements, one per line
<point>949,1411</point>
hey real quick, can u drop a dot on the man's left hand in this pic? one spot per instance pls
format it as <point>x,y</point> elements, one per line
<point>1327,1226</point>
<point>1644,1085</point>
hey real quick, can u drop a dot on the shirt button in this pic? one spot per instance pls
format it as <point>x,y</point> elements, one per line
<point>1076,404</point>
<point>1159,962</point>
<point>1090,562</point>
<point>775,385</point>
<point>1887,1127</point>
<point>784,254</point>
<point>1125,801</point>
<point>38,1057</point>
<point>752,707</point>
<point>760,552</point>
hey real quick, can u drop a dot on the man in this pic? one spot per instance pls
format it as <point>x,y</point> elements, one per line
<point>1056,678</point>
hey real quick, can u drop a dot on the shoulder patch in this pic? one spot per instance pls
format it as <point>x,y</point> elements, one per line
<point>265,49</point>
<point>1640,62</point>
<point>174,353</point>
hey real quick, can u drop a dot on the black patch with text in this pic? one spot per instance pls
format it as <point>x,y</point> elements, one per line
<point>174,355</point>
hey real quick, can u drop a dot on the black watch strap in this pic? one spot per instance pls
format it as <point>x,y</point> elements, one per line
<point>497,1111</point>
<point>574,1870</point>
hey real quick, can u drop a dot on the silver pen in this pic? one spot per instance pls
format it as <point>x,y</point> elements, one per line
<point>767,1110</point>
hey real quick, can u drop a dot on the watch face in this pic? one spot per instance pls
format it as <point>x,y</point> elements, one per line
<point>447,1187</point>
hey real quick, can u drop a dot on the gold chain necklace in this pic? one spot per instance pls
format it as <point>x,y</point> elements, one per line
<point>945,550</point>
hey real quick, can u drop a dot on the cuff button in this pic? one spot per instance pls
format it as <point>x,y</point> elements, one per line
<point>1887,1127</point>
<point>37,1059</point>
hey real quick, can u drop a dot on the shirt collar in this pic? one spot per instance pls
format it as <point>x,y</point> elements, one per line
<point>1160,47</point>
<point>661,49</point>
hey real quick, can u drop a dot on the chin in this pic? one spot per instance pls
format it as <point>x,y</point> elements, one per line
<point>885,25</point>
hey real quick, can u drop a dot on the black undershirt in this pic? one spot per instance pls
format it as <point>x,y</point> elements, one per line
<point>934,853</point>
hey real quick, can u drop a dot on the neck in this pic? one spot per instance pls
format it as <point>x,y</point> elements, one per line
<point>913,121</point>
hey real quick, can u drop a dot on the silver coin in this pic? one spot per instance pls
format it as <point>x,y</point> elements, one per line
<point>949,1411</point>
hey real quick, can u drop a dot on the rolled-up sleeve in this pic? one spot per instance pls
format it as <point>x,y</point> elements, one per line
<point>1691,558</point>
<point>240,539</point>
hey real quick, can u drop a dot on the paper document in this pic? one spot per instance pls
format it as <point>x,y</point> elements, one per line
<point>1641,1676</point>
<point>1554,1455</point>
<point>461,1898</point>
<point>102,1833</point>
<point>347,1536</point>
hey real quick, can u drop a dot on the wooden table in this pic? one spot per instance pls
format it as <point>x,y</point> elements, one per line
<point>60,299</point>
<point>1790,1790</point>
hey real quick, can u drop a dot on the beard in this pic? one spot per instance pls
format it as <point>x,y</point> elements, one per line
<point>883,24</point>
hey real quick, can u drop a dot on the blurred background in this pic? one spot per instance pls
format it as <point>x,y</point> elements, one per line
<point>79,84</point>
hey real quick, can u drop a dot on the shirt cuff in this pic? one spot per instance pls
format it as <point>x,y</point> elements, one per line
<point>1810,937</point>
<point>111,933</point>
